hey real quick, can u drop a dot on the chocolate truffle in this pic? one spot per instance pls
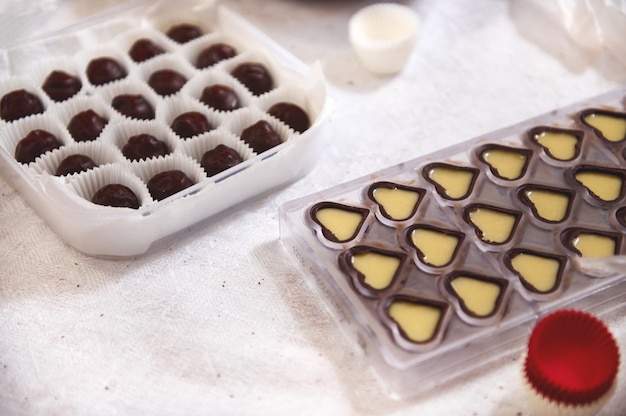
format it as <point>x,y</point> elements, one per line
<point>166,81</point>
<point>191,124</point>
<point>292,115</point>
<point>133,106</point>
<point>144,146</point>
<point>60,85</point>
<point>184,32</point>
<point>213,54</point>
<point>144,49</point>
<point>168,183</point>
<point>219,159</point>
<point>75,164</point>
<point>220,97</point>
<point>34,144</point>
<point>254,76</point>
<point>86,125</point>
<point>260,136</point>
<point>103,70</point>
<point>18,104</point>
<point>116,195</point>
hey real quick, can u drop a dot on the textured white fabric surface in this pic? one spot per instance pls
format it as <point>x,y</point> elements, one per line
<point>219,320</point>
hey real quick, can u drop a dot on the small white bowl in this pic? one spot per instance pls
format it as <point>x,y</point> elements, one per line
<point>383,36</point>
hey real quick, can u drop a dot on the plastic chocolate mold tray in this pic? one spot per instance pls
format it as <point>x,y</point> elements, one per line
<point>442,263</point>
<point>64,202</point>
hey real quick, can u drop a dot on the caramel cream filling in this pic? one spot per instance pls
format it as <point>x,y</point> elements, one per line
<point>438,248</point>
<point>551,206</point>
<point>562,146</point>
<point>341,223</point>
<point>612,128</point>
<point>378,269</point>
<point>541,272</point>
<point>399,204</point>
<point>495,227</point>
<point>478,296</point>
<point>419,322</point>
<point>455,182</point>
<point>594,245</point>
<point>605,186</point>
<point>509,165</point>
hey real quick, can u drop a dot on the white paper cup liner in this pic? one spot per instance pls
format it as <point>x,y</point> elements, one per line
<point>256,58</point>
<point>146,169</point>
<point>14,132</point>
<point>100,153</point>
<point>66,64</point>
<point>244,119</point>
<point>119,133</point>
<point>181,104</point>
<point>70,108</point>
<point>198,146</point>
<point>291,94</point>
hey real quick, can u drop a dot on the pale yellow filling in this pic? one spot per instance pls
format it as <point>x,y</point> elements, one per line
<point>478,296</point>
<point>605,186</point>
<point>594,245</point>
<point>419,322</point>
<point>551,206</point>
<point>343,224</point>
<point>455,182</point>
<point>562,146</point>
<point>540,272</point>
<point>496,227</point>
<point>509,165</point>
<point>377,269</point>
<point>399,204</point>
<point>612,128</point>
<point>437,247</point>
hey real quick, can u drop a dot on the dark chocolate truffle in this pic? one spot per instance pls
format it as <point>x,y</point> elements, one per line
<point>144,146</point>
<point>260,136</point>
<point>144,49</point>
<point>103,70</point>
<point>168,183</point>
<point>35,144</point>
<point>18,104</point>
<point>166,81</point>
<point>191,124</point>
<point>292,115</point>
<point>184,32</point>
<point>86,125</point>
<point>254,76</point>
<point>220,97</point>
<point>60,85</point>
<point>75,164</point>
<point>116,195</point>
<point>213,54</point>
<point>133,106</point>
<point>219,159</point>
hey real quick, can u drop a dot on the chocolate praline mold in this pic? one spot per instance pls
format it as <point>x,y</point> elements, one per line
<point>219,159</point>
<point>86,125</point>
<point>166,81</point>
<point>261,136</point>
<point>190,124</point>
<point>116,195</point>
<point>620,216</point>
<point>59,85</point>
<point>562,145</point>
<point>548,204</point>
<point>603,185</point>
<point>587,242</point>
<point>451,182</point>
<point>34,144</point>
<point>434,247</point>
<point>75,163</point>
<point>220,97</point>
<point>292,115</point>
<point>609,126</point>
<point>184,32</point>
<point>143,49</point>
<point>539,273</point>
<point>504,162</point>
<point>105,69</point>
<point>338,223</point>
<point>133,106</point>
<point>493,225</point>
<point>395,202</point>
<point>254,76</point>
<point>373,271</point>
<point>213,54</point>
<point>144,146</point>
<point>168,183</point>
<point>18,104</point>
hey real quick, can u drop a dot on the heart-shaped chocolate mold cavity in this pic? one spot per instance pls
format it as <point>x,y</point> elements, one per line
<point>435,247</point>
<point>538,272</point>
<point>591,243</point>
<point>478,296</point>
<point>559,144</point>
<point>493,225</point>
<point>396,202</point>
<point>548,204</point>
<point>451,181</point>
<point>606,185</point>
<point>418,320</point>
<point>608,125</point>
<point>372,269</point>
<point>505,162</point>
<point>339,223</point>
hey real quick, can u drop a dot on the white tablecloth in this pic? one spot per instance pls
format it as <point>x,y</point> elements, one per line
<point>220,320</point>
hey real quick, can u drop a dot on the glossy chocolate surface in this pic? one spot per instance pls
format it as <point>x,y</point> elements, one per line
<point>219,159</point>
<point>116,195</point>
<point>75,164</point>
<point>165,184</point>
<point>144,49</point>
<point>60,85</point>
<point>34,144</point>
<point>144,146</point>
<point>86,125</point>
<point>184,32</point>
<point>190,124</point>
<point>261,136</point>
<point>166,81</point>
<point>18,104</point>
<point>220,97</point>
<point>213,54</point>
<point>101,71</point>
<point>133,106</point>
<point>292,115</point>
<point>254,76</point>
